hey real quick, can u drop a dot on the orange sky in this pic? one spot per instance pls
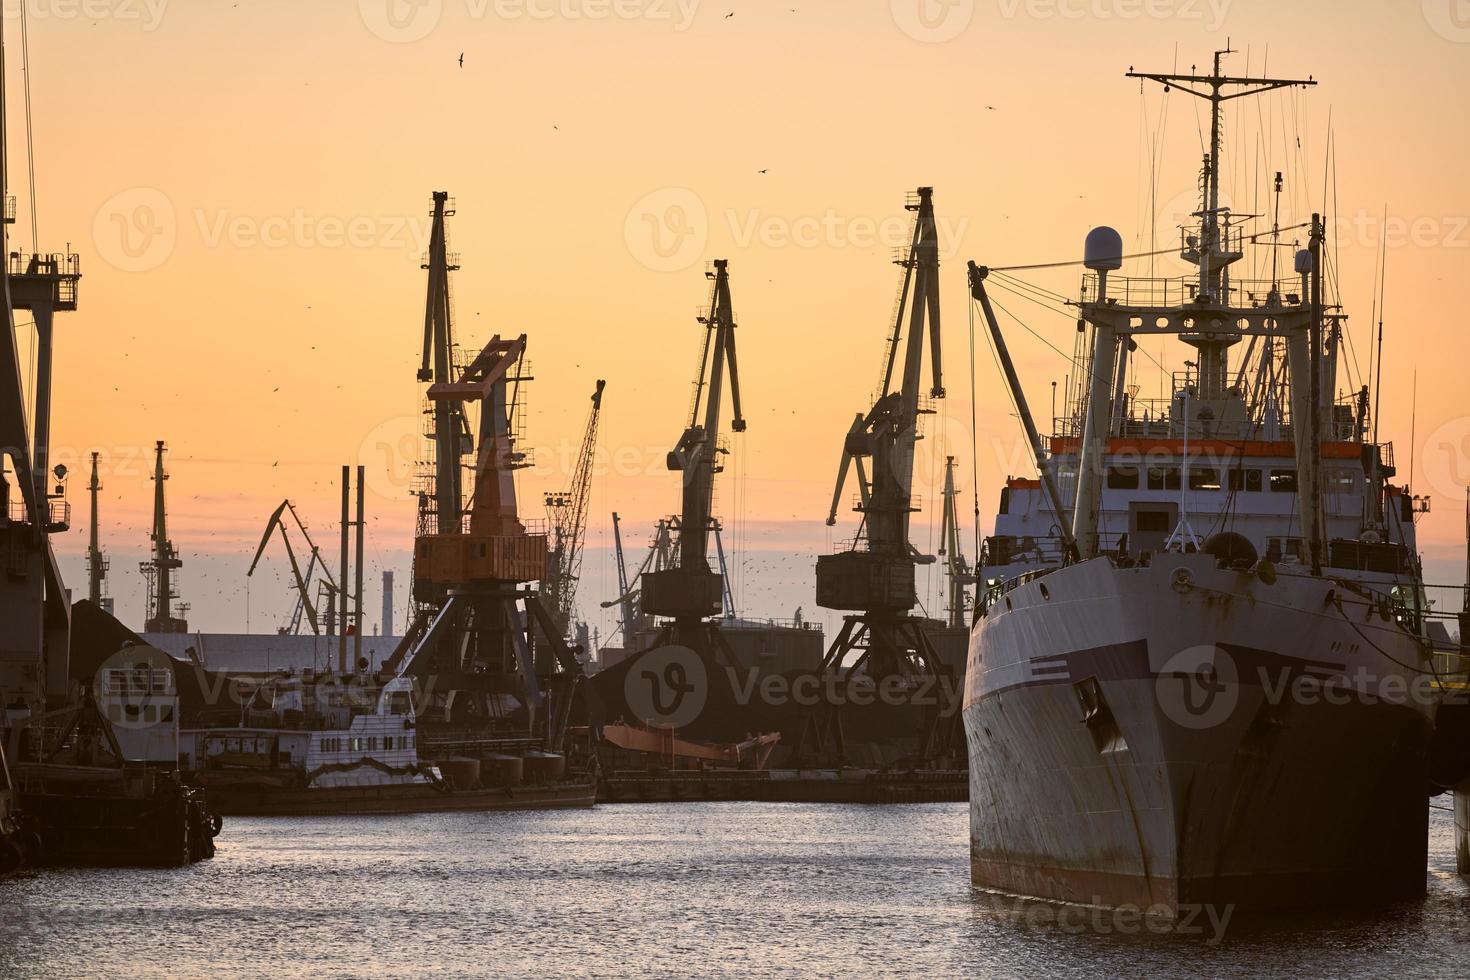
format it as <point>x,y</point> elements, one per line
<point>248,186</point>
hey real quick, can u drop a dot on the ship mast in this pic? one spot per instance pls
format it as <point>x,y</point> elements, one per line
<point>165,560</point>
<point>96,561</point>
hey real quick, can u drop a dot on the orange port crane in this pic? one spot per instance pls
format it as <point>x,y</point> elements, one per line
<point>474,558</point>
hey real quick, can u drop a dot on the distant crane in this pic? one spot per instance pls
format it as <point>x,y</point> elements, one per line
<point>631,619</point>
<point>97,563</point>
<point>663,553</point>
<point>165,561</point>
<point>875,576</point>
<point>301,580</point>
<point>959,571</point>
<point>690,592</point>
<point>568,511</point>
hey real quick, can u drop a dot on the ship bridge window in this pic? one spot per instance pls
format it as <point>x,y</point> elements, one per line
<point>1283,481</point>
<point>1248,481</point>
<point>1204,478</point>
<point>1341,480</point>
<point>1163,478</point>
<point>1122,478</point>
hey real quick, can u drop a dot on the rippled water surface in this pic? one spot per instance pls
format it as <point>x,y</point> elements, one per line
<point>669,890</point>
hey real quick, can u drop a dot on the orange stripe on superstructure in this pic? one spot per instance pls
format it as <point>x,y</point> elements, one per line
<point>1061,445</point>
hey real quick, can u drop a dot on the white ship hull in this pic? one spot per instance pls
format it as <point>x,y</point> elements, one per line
<point>1104,771</point>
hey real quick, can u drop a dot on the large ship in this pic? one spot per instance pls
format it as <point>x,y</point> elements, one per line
<point>1199,673</point>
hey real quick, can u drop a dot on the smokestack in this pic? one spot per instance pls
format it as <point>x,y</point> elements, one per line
<point>342,596</point>
<point>387,626</point>
<point>357,637</point>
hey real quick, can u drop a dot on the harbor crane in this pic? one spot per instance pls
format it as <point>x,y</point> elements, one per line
<point>159,569</point>
<point>690,593</point>
<point>34,666</point>
<point>630,617</point>
<point>874,579</point>
<point>568,512</point>
<point>304,608</point>
<point>474,558</point>
<point>958,570</point>
<point>662,554</point>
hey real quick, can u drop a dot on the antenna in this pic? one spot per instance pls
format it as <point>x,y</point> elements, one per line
<point>1379,301</point>
<point>1216,88</point>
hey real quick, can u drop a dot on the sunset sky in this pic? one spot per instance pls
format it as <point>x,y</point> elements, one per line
<point>249,187</point>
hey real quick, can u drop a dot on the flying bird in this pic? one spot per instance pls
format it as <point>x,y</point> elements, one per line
<point>461,59</point>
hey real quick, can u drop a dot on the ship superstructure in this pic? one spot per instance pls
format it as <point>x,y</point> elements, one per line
<point>1162,601</point>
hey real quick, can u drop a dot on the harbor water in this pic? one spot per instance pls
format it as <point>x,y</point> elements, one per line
<point>664,890</point>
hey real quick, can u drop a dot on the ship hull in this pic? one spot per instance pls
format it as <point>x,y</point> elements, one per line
<point>1181,736</point>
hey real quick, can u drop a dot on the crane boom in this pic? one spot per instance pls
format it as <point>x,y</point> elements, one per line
<point>300,580</point>
<point>568,511</point>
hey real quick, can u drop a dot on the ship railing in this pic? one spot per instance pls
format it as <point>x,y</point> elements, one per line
<point>1182,291</point>
<point>745,623</point>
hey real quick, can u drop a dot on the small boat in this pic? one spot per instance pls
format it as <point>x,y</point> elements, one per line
<point>322,743</point>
